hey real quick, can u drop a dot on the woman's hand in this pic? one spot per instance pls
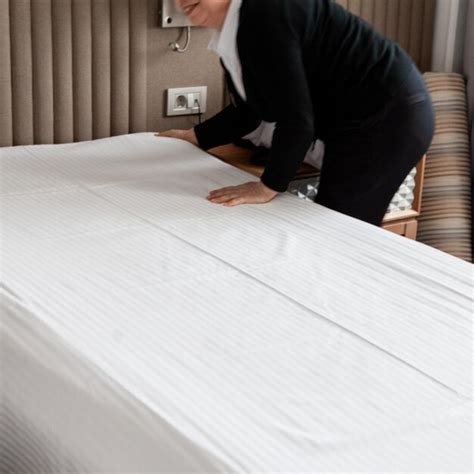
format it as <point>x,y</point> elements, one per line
<point>254,192</point>
<point>187,135</point>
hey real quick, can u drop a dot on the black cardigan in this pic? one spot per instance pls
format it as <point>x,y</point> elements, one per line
<point>309,66</point>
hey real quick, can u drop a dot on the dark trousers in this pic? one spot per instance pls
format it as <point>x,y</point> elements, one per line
<point>366,161</point>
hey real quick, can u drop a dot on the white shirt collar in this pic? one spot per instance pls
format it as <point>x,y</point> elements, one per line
<point>224,42</point>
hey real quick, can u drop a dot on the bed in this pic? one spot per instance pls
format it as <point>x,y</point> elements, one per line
<point>145,329</point>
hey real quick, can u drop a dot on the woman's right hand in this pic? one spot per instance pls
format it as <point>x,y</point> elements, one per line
<point>187,135</point>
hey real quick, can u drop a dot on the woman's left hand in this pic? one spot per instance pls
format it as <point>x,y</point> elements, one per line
<point>254,192</point>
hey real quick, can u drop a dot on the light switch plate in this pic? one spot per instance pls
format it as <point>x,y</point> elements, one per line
<point>171,16</point>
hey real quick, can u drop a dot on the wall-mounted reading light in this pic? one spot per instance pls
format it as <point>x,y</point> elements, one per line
<point>171,16</point>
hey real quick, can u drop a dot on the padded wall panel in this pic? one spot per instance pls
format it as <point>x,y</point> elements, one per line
<point>367,10</point>
<point>120,66</point>
<point>138,57</point>
<point>72,70</point>
<point>101,78</point>
<point>429,7</point>
<point>42,47</point>
<point>62,71</point>
<point>6,119</point>
<point>82,69</point>
<point>380,15</point>
<point>404,20</point>
<point>416,30</point>
<point>21,71</point>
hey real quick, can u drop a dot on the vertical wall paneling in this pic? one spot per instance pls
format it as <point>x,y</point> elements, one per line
<point>120,64</point>
<point>391,19</point>
<point>138,65</point>
<point>343,3</point>
<point>62,71</point>
<point>416,30</point>
<point>380,15</point>
<point>101,71</point>
<point>427,37</point>
<point>6,127</point>
<point>354,6</point>
<point>42,49</point>
<point>21,68</point>
<point>82,69</point>
<point>404,20</point>
<point>367,11</point>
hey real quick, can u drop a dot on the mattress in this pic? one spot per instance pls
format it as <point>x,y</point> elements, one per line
<point>145,329</point>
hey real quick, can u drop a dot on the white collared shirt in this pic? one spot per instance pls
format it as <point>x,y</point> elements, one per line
<point>224,43</point>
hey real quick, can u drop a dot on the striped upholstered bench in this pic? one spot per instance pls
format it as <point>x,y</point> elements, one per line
<point>445,220</point>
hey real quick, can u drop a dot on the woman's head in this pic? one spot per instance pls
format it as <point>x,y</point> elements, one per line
<point>209,13</point>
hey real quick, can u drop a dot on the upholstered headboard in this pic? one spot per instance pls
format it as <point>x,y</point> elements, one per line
<point>73,70</point>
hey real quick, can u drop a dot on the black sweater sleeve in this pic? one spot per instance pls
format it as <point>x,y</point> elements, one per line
<point>226,126</point>
<point>232,123</point>
<point>271,34</point>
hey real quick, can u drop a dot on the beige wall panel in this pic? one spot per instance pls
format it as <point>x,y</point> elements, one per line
<point>416,30</point>
<point>354,6</point>
<point>391,19</point>
<point>380,15</point>
<point>427,39</point>
<point>101,78</point>
<point>62,71</point>
<point>404,20</point>
<point>138,65</point>
<point>6,119</point>
<point>197,67</point>
<point>42,49</point>
<point>120,66</point>
<point>22,73</point>
<point>82,69</point>
<point>367,10</point>
<point>344,3</point>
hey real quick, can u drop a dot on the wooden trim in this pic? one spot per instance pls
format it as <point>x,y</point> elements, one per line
<point>406,228</point>
<point>240,158</point>
<point>419,181</point>
<point>400,215</point>
<point>411,229</point>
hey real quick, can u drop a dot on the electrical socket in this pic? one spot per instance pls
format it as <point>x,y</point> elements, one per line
<point>185,100</point>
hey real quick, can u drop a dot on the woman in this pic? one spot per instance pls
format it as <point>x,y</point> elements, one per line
<point>318,72</point>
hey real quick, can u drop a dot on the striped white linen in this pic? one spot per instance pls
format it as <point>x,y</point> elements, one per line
<point>146,329</point>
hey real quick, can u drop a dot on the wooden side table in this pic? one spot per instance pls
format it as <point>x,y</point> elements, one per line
<point>401,222</point>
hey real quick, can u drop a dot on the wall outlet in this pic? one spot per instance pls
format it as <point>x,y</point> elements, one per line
<point>186,100</point>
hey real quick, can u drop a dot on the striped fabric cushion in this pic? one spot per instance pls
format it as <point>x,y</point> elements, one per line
<point>445,221</point>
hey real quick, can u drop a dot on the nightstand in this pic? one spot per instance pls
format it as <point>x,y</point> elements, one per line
<point>401,222</point>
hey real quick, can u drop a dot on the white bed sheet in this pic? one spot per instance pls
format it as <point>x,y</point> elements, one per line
<point>146,329</point>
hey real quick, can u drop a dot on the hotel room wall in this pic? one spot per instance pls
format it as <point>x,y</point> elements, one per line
<point>73,70</point>
<point>196,67</point>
